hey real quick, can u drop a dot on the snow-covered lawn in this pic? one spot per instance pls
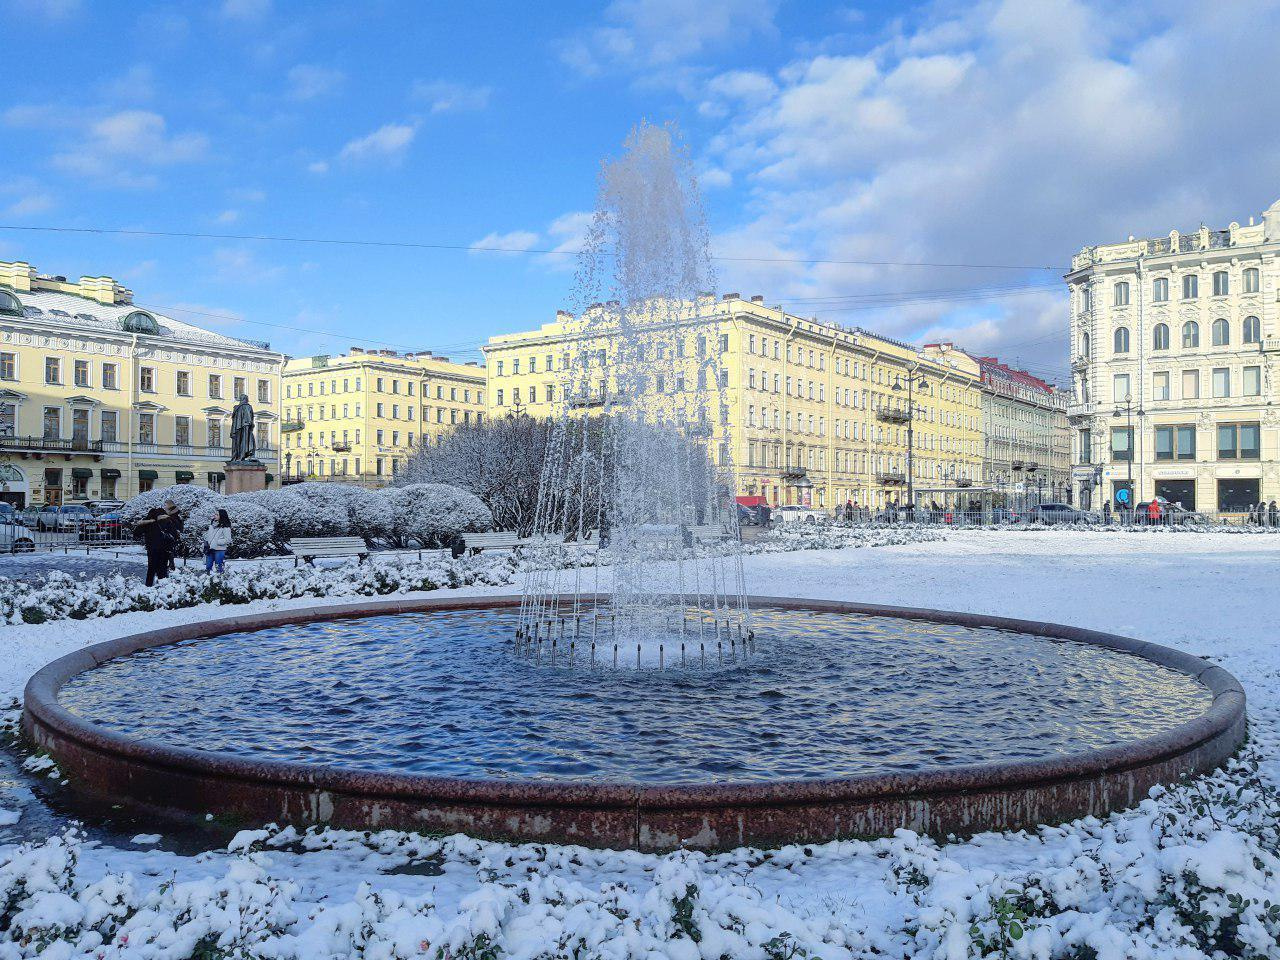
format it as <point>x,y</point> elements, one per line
<point>1193,872</point>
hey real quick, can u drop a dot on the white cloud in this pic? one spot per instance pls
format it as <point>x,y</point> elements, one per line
<point>46,10</point>
<point>444,96</point>
<point>29,205</point>
<point>1009,132</point>
<point>639,34</point>
<point>241,265</point>
<point>245,11</point>
<point>247,195</point>
<point>122,148</point>
<point>135,85</point>
<point>318,167</point>
<point>228,216</point>
<point>308,81</point>
<point>502,243</point>
<point>388,143</point>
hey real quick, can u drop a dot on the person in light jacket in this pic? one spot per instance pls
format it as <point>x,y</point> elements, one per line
<point>216,541</point>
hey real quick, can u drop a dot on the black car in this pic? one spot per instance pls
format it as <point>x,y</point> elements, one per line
<point>1057,513</point>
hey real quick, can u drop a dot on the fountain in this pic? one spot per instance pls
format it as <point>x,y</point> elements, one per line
<point>623,703</point>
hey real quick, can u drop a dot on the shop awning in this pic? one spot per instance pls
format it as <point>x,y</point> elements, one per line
<point>184,476</point>
<point>109,473</point>
<point>81,473</point>
<point>148,475</point>
<point>217,477</point>
<point>751,501</point>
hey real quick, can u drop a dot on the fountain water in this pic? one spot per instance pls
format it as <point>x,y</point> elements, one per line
<point>640,451</point>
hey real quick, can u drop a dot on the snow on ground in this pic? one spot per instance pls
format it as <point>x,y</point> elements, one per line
<point>1189,874</point>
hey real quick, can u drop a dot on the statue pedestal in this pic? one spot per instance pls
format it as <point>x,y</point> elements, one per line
<point>245,476</point>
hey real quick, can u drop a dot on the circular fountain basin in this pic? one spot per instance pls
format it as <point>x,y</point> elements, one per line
<point>845,720</point>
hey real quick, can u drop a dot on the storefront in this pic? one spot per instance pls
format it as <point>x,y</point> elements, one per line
<point>13,486</point>
<point>1238,494</point>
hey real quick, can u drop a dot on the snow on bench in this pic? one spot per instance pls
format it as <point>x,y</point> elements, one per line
<point>308,548</point>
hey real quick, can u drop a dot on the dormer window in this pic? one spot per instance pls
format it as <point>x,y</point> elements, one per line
<point>9,305</point>
<point>140,322</point>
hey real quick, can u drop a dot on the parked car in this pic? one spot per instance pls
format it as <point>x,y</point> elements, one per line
<point>1005,515</point>
<point>1058,513</point>
<point>99,507</point>
<point>104,527</point>
<point>9,513</point>
<point>67,518</point>
<point>794,513</point>
<point>14,536</point>
<point>1171,514</point>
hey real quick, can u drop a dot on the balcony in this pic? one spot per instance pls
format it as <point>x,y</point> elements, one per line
<point>1081,411</point>
<point>341,447</point>
<point>187,450</point>
<point>587,400</point>
<point>290,426</point>
<point>1080,364</point>
<point>891,479</point>
<point>41,445</point>
<point>890,415</point>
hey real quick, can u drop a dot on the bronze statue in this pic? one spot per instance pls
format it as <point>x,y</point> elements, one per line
<point>243,445</point>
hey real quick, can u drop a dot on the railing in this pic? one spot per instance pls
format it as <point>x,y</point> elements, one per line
<point>1157,247</point>
<point>893,416</point>
<point>590,400</point>
<point>51,444</point>
<point>290,426</point>
<point>144,449</point>
<point>891,479</point>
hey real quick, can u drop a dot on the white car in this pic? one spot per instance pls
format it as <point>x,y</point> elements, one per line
<point>794,513</point>
<point>14,537</point>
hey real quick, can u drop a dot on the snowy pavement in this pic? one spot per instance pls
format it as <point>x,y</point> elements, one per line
<point>1189,874</point>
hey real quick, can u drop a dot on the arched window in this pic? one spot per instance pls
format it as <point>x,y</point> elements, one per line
<point>1121,340</point>
<point>1190,334</point>
<point>1221,333</point>
<point>140,322</point>
<point>1086,299</point>
<point>1122,294</point>
<point>1221,284</point>
<point>1252,330</point>
<point>1251,280</point>
<point>1160,289</point>
<point>1160,337</point>
<point>1190,286</point>
<point>1085,347</point>
<point>9,305</point>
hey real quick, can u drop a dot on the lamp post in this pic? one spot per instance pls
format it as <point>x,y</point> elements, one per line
<point>912,383</point>
<point>1129,408</point>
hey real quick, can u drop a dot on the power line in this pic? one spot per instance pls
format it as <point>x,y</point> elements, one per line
<point>473,248</point>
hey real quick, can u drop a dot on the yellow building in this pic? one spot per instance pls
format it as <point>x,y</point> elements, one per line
<point>809,409</point>
<point>359,417</point>
<point>101,400</point>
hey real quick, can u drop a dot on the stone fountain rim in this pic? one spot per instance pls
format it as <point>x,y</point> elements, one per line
<point>54,727</point>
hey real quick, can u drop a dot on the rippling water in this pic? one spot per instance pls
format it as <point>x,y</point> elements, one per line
<point>824,695</point>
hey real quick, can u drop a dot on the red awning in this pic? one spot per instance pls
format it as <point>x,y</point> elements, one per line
<point>752,501</point>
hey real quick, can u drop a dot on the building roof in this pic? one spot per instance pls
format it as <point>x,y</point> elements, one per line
<point>992,368</point>
<point>70,310</point>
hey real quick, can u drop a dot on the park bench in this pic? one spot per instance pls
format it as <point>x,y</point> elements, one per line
<point>501,540</point>
<point>308,548</point>
<point>708,531</point>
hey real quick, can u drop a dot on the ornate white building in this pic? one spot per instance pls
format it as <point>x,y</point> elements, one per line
<point>1174,348</point>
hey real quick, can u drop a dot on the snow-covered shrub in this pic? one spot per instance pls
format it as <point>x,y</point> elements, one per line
<point>294,516</point>
<point>252,526</point>
<point>370,515</point>
<point>435,513</point>
<point>186,496</point>
<point>329,501</point>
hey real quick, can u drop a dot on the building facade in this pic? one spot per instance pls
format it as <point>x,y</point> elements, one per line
<point>1174,343</point>
<point>813,413</point>
<point>359,417</point>
<point>1026,443</point>
<point>102,400</point>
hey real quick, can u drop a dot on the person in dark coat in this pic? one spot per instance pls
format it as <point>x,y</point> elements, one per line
<point>848,511</point>
<point>1272,514</point>
<point>176,524</point>
<point>1106,512</point>
<point>154,531</point>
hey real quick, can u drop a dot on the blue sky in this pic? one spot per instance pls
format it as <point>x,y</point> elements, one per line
<point>979,133</point>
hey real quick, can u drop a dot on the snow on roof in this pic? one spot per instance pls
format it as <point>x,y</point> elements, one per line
<point>66,308</point>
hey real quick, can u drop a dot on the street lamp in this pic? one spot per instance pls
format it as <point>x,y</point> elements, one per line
<point>1129,408</point>
<point>912,383</point>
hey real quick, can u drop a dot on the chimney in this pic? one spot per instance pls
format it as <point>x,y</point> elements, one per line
<point>757,298</point>
<point>356,350</point>
<point>563,315</point>
<point>731,296</point>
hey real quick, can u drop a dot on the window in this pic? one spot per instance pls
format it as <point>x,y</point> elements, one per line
<point>1221,382</point>
<point>1176,443</point>
<point>107,426</point>
<point>1190,286</point>
<point>1121,294</point>
<point>264,391</point>
<point>52,423</point>
<point>146,428</point>
<point>8,366</point>
<point>215,389</point>
<point>1085,350</point>
<point>1252,330</point>
<point>213,430</point>
<point>1160,289</point>
<point>1190,335</point>
<point>1086,447</point>
<point>1160,385</point>
<point>1251,278</point>
<point>52,370</point>
<point>1221,333</point>
<point>237,388</point>
<point>1238,441</point>
<point>147,379</point>
<point>1190,384</point>
<point>184,383</point>
<point>1121,444</point>
<point>1120,388</point>
<point>1252,382</point>
<point>1221,284</point>
<point>1121,340</point>
<point>182,431</point>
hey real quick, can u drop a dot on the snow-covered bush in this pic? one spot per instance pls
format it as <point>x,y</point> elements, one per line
<point>370,515</point>
<point>252,526</point>
<point>435,513</point>
<point>186,496</point>
<point>294,516</point>
<point>329,501</point>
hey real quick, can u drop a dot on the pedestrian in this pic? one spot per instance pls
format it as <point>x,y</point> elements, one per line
<point>1153,512</point>
<point>1272,515</point>
<point>848,511</point>
<point>155,537</point>
<point>1106,512</point>
<point>176,523</point>
<point>216,541</point>
<point>766,515</point>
